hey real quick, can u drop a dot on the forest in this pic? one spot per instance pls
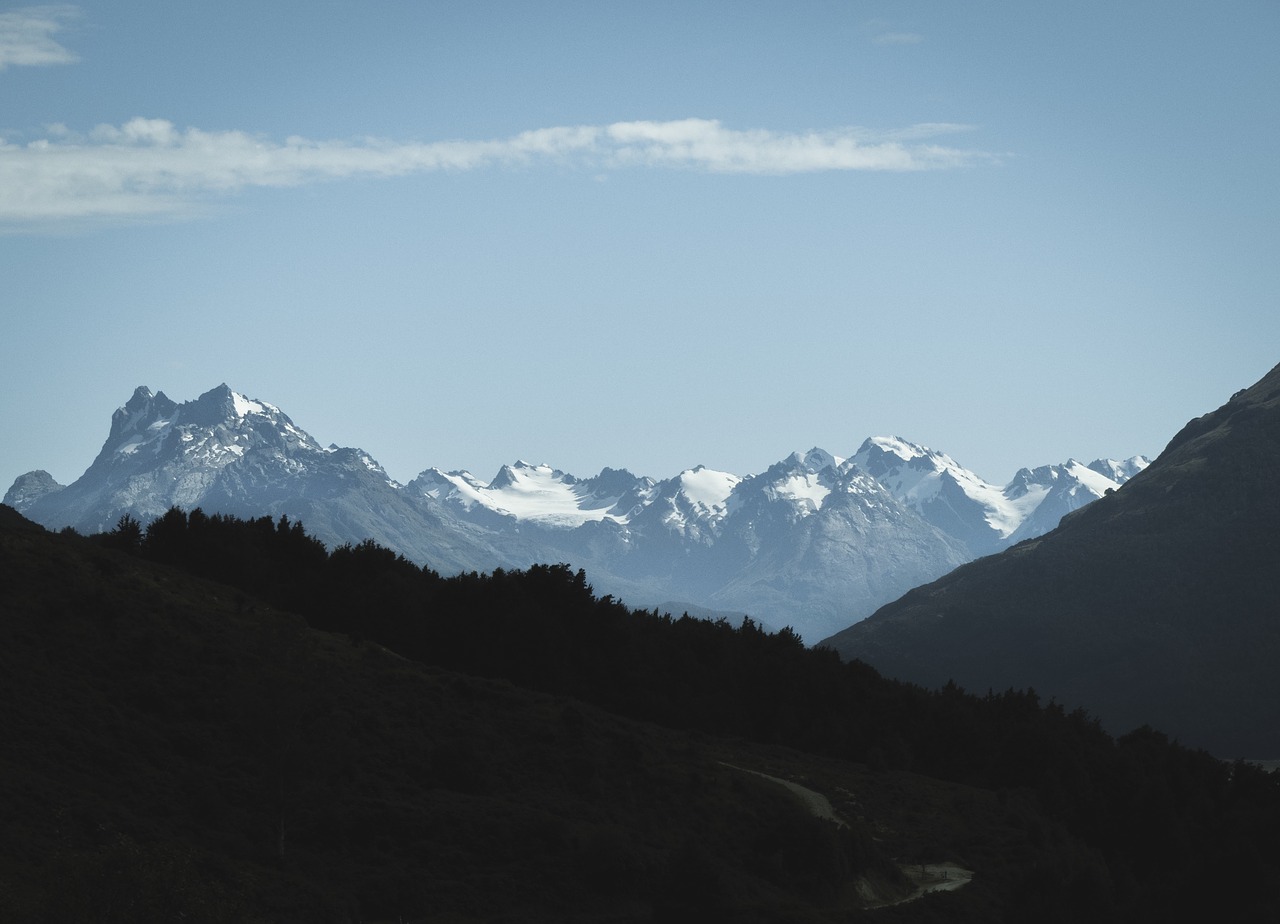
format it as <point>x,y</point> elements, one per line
<point>231,719</point>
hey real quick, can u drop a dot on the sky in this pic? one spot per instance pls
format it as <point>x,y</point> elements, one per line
<point>640,235</point>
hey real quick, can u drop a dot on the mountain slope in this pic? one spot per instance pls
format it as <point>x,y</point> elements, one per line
<point>1157,604</point>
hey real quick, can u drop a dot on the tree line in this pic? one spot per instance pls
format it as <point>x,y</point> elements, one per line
<point>1174,828</point>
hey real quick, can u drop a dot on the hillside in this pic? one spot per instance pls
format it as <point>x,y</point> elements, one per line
<point>180,746</point>
<point>1178,622</point>
<point>174,748</point>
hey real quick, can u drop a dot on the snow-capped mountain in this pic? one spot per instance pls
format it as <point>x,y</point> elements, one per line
<point>230,454</point>
<point>800,540</point>
<point>1050,492</point>
<point>985,517</point>
<point>815,541</point>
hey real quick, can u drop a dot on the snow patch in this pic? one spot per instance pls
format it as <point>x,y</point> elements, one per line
<point>707,489</point>
<point>1092,481</point>
<point>806,492</point>
<point>154,432</point>
<point>246,406</point>
<point>537,493</point>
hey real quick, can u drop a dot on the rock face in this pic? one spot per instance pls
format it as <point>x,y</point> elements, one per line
<point>1156,605</point>
<point>815,542</point>
<point>31,487</point>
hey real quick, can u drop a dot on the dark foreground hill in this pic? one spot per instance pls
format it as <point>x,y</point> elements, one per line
<point>1178,621</point>
<point>175,748</point>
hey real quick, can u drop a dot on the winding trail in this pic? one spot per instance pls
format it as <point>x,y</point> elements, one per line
<point>814,801</point>
<point>927,877</point>
<point>932,877</point>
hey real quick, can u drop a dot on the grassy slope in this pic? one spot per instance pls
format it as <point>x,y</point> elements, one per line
<point>172,745</point>
<point>175,746</point>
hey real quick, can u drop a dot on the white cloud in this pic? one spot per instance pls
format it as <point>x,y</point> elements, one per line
<point>26,36</point>
<point>149,167</point>
<point>706,144</point>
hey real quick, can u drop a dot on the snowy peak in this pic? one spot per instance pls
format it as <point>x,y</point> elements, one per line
<point>1071,476</point>
<point>216,428</point>
<point>1048,493</point>
<point>536,493</point>
<point>142,414</point>
<point>801,481</point>
<point>981,514</point>
<point>705,489</point>
<point>948,495</point>
<point>522,473</point>
<point>617,483</point>
<point>812,462</point>
<point>692,505</point>
<point>913,473</point>
<point>699,503</point>
<point>1120,471</point>
<point>880,449</point>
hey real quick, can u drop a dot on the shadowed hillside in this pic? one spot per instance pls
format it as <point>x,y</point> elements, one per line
<point>1157,604</point>
<point>510,747</point>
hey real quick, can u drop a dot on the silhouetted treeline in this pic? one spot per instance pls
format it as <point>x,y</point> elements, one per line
<point>1175,830</point>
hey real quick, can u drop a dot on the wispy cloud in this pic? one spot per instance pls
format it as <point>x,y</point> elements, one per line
<point>151,168</point>
<point>26,36</point>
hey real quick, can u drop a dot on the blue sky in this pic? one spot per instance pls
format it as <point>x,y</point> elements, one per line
<point>643,235</point>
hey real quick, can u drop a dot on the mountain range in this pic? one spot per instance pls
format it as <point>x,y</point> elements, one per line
<point>1157,605</point>
<point>816,541</point>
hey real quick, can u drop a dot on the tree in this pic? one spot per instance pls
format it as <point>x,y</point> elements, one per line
<point>127,535</point>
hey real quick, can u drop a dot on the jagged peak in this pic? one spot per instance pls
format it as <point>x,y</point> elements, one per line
<point>233,404</point>
<point>143,408</point>
<point>895,445</point>
<point>817,455</point>
<point>141,398</point>
<point>813,461</point>
<point>509,475</point>
<point>610,472</point>
<point>506,476</point>
<point>1120,470</point>
<point>881,455</point>
<point>29,488</point>
<point>212,407</point>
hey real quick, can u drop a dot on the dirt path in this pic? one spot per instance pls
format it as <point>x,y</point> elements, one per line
<point>816,802</point>
<point>935,877</point>
<point>927,877</point>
